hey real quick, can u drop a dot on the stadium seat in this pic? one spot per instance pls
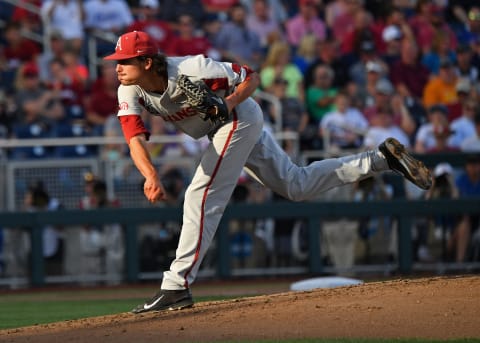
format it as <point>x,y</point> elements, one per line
<point>31,131</point>
<point>65,130</point>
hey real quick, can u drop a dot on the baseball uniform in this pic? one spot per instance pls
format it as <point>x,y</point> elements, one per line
<point>238,143</point>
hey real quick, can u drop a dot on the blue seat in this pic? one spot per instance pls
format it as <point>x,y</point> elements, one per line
<point>31,131</point>
<point>65,130</point>
<point>75,112</point>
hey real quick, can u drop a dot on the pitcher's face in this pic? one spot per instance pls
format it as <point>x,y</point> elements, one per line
<point>130,71</point>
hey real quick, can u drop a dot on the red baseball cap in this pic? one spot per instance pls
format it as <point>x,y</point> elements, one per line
<point>133,44</point>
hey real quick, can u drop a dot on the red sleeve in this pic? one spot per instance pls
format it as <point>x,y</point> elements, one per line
<point>238,69</point>
<point>132,125</point>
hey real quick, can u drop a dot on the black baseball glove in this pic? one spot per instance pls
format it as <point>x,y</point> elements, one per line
<point>209,105</point>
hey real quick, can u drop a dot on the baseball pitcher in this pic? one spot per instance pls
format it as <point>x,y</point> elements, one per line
<point>201,97</point>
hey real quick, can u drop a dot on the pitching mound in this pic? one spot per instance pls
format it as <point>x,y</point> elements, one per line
<point>437,308</point>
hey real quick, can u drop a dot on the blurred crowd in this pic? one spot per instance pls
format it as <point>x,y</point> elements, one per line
<point>347,74</point>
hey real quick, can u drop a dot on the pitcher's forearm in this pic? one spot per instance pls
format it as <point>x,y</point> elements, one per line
<point>141,156</point>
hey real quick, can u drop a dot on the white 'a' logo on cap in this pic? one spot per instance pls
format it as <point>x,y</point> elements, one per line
<point>119,44</point>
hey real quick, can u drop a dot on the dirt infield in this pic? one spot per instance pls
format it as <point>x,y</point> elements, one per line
<point>434,308</point>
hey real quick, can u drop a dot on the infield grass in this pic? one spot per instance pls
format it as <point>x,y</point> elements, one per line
<point>26,309</point>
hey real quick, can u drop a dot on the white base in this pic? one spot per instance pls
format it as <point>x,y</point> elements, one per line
<point>323,282</point>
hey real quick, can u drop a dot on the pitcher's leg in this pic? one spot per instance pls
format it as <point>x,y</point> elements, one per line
<point>207,197</point>
<point>274,168</point>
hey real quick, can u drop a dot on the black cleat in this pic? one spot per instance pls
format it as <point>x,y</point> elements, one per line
<point>401,161</point>
<point>166,300</point>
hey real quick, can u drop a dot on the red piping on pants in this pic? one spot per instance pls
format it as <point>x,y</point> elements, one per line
<point>205,194</point>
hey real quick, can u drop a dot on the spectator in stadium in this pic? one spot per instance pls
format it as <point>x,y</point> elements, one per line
<point>383,127</point>
<point>436,127</point>
<point>464,127</point>
<point>306,21</point>
<point>54,50</point>
<point>465,67</point>
<point>375,72</point>
<point>394,17</point>
<point>112,240</point>
<point>392,37</point>
<point>327,52</point>
<point>37,198</point>
<point>187,42</point>
<point>367,53</point>
<point>340,16</point>
<point>340,235</point>
<point>86,201</point>
<point>148,20</point>
<point>377,233</point>
<point>67,17</point>
<point>363,30</point>
<point>334,10</point>
<point>344,127</point>
<point>441,89</point>
<point>408,75</point>
<point>428,20</point>
<point>30,21</point>
<point>16,49</point>
<point>101,101</point>
<point>443,187</point>
<point>440,50</point>
<point>77,70</point>
<point>261,20</point>
<point>468,184</point>
<point>17,241</point>
<point>100,247</point>
<point>306,52</point>
<point>470,30</point>
<point>36,104</point>
<point>278,10</point>
<point>111,16</point>
<point>472,144</point>
<point>293,114</point>
<point>278,63</point>
<point>386,101</point>
<point>218,6</point>
<point>172,9</point>
<point>320,96</point>
<point>70,90</point>
<point>236,41</point>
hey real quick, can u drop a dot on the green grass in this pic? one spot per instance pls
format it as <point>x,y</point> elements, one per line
<point>25,309</point>
<point>24,313</point>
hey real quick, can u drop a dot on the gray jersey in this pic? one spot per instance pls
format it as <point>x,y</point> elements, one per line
<point>222,77</point>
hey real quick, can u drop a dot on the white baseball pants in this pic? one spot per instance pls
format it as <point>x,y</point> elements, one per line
<point>243,143</point>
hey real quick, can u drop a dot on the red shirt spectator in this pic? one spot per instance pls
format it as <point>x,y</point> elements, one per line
<point>363,30</point>
<point>186,43</point>
<point>17,49</point>
<point>148,22</point>
<point>70,90</point>
<point>102,101</point>
<point>26,18</point>
<point>218,5</point>
<point>408,75</point>
<point>425,24</point>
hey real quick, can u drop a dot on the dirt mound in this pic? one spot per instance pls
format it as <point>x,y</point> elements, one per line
<point>437,308</point>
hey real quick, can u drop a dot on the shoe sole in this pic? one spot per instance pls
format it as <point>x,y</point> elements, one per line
<point>178,306</point>
<point>413,169</point>
<point>182,304</point>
